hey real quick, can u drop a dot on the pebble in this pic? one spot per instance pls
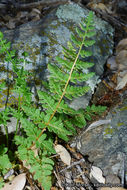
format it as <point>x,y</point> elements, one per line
<point>122,45</point>
<point>121,60</point>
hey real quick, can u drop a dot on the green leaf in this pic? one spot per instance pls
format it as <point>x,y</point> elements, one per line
<point>1,35</point>
<point>84,53</point>
<point>5,164</point>
<point>88,43</point>
<point>48,146</point>
<point>75,40</point>
<point>25,54</point>
<point>80,32</point>
<point>91,34</point>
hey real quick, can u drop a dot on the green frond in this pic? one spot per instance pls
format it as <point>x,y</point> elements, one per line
<point>64,62</point>
<point>64,108</point>
<point>48,146</point>
<point>75,40</point>
<point>58,128</point>
<point>82,27</point>
<point>79,120</point>
<point>42,170</point>
<point>71,46</point>
<point>56,88</point>
<point>69,53</point>
<point>80,32</point>
<point>81,77</point>
<point>88,43</point>
<point>69,125</point>
<point>47,101</point>
<point>91,34</point>
<point>85,53</point>
<point>83,64</point>
<point>57,74</point>
<point>52,115</point>
<point>76,91</point>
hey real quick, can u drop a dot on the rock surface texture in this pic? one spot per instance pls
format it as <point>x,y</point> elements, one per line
<point>43,40</point>
<point>106,145</point>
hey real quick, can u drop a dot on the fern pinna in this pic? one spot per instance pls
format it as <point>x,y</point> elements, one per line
<point>53,117</point>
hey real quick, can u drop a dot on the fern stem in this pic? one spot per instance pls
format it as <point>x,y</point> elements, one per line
<point>64,91</point>
<point>19,106</point>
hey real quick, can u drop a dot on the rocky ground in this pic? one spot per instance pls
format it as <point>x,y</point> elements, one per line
<point>98,154</point>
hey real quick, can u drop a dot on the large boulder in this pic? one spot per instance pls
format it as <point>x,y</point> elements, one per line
<point>44,39</point>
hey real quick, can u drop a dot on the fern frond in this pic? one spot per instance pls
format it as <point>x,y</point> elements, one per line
<point>47,101</point>
<point>83,64</point>
<point>76,91</point>
<point>85,53</point>
<point>88,43</point>
<point>81,77</point>
<point>69,53</point>
<point>64,62</point>
<point>75,40</point>
<point>58,128</point>
<point>57,74</point>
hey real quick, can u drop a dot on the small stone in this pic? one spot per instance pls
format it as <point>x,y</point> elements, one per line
<point>111,63</point>
<point>121,60</point>
<point>122,45</point>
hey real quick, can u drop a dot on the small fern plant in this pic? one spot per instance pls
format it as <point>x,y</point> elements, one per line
<point>52,117</point>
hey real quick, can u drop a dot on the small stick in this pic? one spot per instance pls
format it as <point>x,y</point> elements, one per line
<point>59,181</point>
<point>85,179</point>
<point>73,164</point>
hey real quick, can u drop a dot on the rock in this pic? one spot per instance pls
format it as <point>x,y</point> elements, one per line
<point>43,41</point>
<point>111,63</point>
<point>121,60</point>
<point>121,6</point>
<point>122,45</point>
<point>112,179</point>
<point>106,145</point>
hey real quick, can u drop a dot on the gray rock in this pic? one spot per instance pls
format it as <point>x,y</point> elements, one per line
<point>44,39</point>
<point>106,145</point>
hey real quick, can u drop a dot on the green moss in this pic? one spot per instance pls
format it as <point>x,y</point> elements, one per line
<point>123,108</point>
<point>109,130</point>
<point>120,124</point>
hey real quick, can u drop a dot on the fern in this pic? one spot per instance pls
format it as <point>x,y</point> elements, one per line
<point>57,119</point>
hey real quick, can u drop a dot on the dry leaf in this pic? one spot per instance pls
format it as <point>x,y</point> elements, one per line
<point>64,154</point>
<point>17,183</point>
<point>122,83</point>
<point>97,174</point>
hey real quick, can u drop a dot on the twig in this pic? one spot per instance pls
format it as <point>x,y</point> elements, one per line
<point>59,181</point>
<point>41,3</point>
<point>85,179</point>
<point>73,164</point>
<point>82,173</point>
<point>109,18</point>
